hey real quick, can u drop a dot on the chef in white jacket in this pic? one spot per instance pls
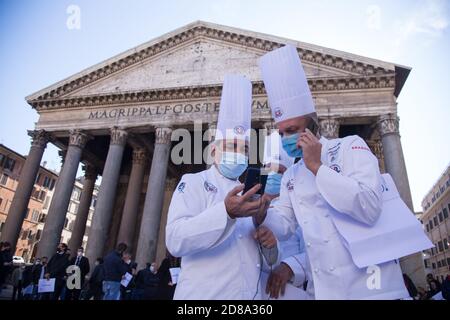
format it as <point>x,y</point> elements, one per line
<point>209,223</point>
<point>286,279</point>
<point>338,176</point>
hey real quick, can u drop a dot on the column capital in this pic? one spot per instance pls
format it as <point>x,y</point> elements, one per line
<point>329,128</point>
<point>90,172</point>
<point>78,138</point>
<point>39,138</point>
<point>388,123</point>
<point>118,136</point>
<point>139,156</point>
<point>163,135</point>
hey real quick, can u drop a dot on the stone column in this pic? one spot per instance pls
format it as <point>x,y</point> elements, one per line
<point>105,200</point>
<point>329,128</point>
<point>127,228</point>
<point>18,209</point>
<point>211,135</point>
<point>76,240</point>
<point>151,217</point>
<point>54,223</point>
<point>388,126</point>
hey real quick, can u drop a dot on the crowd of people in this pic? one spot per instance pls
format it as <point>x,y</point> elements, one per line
<point>101,283</point>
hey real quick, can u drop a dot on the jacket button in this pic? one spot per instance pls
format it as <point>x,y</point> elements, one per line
<point>258,265</point>
<point>316,270</point>
<point>332,269</point>
<point>308,244</point>
<point>240,236</point>
<point>326,240</point>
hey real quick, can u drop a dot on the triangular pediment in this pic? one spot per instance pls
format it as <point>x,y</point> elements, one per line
<point>201,54</point>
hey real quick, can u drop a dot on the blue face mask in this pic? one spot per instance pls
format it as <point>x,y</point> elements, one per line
<point>232,164</point>
<point>290,146</point>
<point>273,183</point>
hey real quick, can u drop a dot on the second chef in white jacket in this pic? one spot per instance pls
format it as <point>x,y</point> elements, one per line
<point>333,177</point>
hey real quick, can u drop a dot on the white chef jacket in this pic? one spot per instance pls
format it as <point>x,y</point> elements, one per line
<point>220,257</point>
<point>347,182</point>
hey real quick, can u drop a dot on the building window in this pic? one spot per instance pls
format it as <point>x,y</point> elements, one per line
<point>66,223</point>
<point>448,261</point>
<point>445,244</point>
<point>4,179</point>
<point>428,228</point>
<point>76,194</point>
<point>38,177</point>
<point>9,163</point>
<point>431,224</point>
<point>49,183</point>
<point>433,265</point>
<point>1,201</point>
<point>24,235</point>
<point>35,215</point>
<point>445,212</point>
<point>42,194</point>
<point>444,263</point>
<point>440,246</point>
<point>42,217</point>
<point>441,218</point>
<point>38,235</point>
<point>435,220</point>
<point>426,263</point>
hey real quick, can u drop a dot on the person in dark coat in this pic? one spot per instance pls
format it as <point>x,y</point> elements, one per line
<point>126,292</point>
<point>83,263</point>
<point>95,282</point>
<point>166,288</point>
<point>56,268</point>
<point>6,262</point>
<point>147,283</point>
<point>114,270</point>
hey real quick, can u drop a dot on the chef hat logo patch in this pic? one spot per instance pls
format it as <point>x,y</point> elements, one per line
<point>181,186</point>
<point>239,130</point>
<point>209,187</point>
<point>336,168</point>
<point>278,112</point>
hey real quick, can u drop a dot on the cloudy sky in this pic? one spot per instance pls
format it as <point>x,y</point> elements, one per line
<point>37,48</point>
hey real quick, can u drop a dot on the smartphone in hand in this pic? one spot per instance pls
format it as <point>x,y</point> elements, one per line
<point>253,177</point>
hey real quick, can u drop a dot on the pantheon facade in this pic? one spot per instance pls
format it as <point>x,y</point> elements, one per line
<point>117,119</point>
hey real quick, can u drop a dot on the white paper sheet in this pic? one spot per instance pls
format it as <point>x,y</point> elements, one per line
<point>397,233</point>
<point>45,285</point>
<point>126,280</point>
<point>174,273</point>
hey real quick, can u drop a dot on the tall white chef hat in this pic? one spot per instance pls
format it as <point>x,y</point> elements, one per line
<point>286,84</point>
<point>274,152</point>
<point>235,109</point>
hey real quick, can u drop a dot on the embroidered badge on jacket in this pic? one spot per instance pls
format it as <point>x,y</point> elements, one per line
<point>209,187</point>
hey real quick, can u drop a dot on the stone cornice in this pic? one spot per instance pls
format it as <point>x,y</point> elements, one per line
<point>196,92</point>
<point>233,36</point>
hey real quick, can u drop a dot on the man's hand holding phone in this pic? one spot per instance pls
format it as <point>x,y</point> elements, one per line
<point>240,206</point>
